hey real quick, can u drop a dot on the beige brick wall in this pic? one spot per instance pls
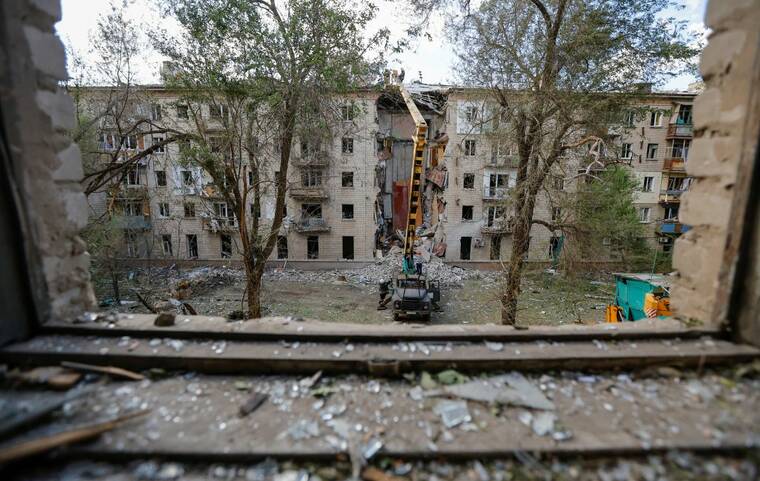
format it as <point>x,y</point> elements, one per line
<point>720,111</point>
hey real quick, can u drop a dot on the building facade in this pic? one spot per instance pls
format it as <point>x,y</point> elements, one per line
<point>342,195</point>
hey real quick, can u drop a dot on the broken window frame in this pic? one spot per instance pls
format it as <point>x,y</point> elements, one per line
<point>160,178</point>
<point>648,184</point>
<point>282,247</point>
<point>133,176</point>
<point>160,149</point>
<point>188,179</point>
<point>189,210</point>
<point>183,111</point>
<point>191,241</point>
<point>468,181</point>
<point>225,241</point>
<point>347,145</point>
<point>470,147</point>
<point>166,245</point>
<point>311,211</point>
<point>130,244</point>
<point>312,247</point>
<point>347,211</point>
<point>468,213</point>
<point>655,119</point>
<point>347,180</point>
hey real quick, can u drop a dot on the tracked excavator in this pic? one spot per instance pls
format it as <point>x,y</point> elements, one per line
<point>413,295</point>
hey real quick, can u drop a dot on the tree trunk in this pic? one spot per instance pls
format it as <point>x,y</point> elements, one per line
<point>511,289</point>
<point>115,287</point>
<point>253,274</point>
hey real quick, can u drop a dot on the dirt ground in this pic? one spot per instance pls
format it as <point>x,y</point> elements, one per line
<point>546,299</point>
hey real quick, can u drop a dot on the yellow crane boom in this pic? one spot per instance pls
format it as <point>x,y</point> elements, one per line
<point>415,185</point>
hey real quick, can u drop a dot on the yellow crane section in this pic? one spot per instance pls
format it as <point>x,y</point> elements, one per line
<point>415,185</point>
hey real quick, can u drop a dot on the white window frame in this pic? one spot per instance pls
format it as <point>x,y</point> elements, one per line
<point>656,151</point>
<point>166,245</point>
<point>655,119</point>
<point>626,150</point>
<point>163,210</point>
<point>648,184</point>
<point>160,149</point>
<point>645,214</point>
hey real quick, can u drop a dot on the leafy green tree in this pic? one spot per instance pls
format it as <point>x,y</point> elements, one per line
<point>268,69</point>
<point>558,71</point>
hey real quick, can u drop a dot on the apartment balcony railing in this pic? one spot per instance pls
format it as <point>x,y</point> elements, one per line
<point>671,227</point>
<point>674,164</point>
<point>220,224</point>
<point>671,195</point>
<point>511,161</point>
<point>311,224</point>
<point>496,228</point>
<point>683,131</point>
<point>132,222</point>
<point>495,193</point>
<point>308,193</point>
<point>317,159</point>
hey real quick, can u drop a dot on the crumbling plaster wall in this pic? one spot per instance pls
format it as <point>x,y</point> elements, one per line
<point>727,66</point>
<point>38,113</point>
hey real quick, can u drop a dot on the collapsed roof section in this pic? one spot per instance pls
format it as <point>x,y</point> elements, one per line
<point>429,98</point>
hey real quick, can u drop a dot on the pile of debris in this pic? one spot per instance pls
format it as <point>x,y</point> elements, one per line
<point>390,265</point>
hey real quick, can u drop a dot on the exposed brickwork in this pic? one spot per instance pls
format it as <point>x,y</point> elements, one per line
<point>719,114</point>
<point>49,167</point>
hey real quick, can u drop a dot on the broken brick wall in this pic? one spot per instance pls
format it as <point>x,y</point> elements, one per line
<point>46,164</point>
<point>721,132</point>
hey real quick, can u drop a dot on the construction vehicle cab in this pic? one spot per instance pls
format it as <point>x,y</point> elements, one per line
<point>414,297</point>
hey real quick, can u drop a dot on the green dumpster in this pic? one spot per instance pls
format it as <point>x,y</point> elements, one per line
<point>631,289</point>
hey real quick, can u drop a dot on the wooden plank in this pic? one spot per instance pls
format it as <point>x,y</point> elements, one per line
<point>460,453</point>
<point>48,442</point>
<point>110,370</point>
<point>278,328</point>
<point>271,357</point>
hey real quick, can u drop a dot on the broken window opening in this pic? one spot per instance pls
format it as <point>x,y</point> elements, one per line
<point>465,248</point>
<point>166,245</point>
<point>130,241</point>
<point>467,212</point>
<point>347,179</point>
<point>347,145</point>
<point>192,246</point>
<point>189,210</point>
<point>348,247</point>
<point>468,181</point>
<point>495,251</point>
<point>312,247</point>
<point>160,178</point>
<point>311,211</point>
<point>183,111</point>
<point>226,246</point>
<point>347,211</point>
<point>133,176</point>
<point>282,247</point>
<point>187,178</point>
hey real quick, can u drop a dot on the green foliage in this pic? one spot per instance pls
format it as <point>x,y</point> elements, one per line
<point>603,211</point>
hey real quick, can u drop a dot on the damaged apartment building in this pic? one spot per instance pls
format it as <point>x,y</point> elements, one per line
<point>347,195</point>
